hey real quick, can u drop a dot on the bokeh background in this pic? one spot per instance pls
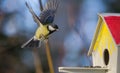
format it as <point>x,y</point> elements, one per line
<point>76,19</point>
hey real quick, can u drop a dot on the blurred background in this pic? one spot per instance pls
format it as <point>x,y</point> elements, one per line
<point>76,19</point>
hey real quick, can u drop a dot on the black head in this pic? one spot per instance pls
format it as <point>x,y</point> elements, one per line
<point>52,27</point>
<point>55,26</point>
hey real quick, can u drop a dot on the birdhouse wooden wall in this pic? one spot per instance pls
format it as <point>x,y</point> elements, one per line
<point>105,50</point>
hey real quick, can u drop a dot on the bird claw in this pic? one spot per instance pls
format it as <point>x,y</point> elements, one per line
<point>42,37</point>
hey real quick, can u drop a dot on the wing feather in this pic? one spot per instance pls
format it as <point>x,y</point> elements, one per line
<point>35,17</point>
<point>48,13</point>
<point>41,6</point>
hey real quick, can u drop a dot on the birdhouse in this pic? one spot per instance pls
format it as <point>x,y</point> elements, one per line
<point>105,46</point>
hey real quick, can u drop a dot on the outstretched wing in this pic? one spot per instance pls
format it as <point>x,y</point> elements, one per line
<point>41,6</point>
<point>35,17</point>
<point>48,13</point>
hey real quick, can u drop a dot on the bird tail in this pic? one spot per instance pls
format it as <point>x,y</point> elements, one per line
<point>32,43</point>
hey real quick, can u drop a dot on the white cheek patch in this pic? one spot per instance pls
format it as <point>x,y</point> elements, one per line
<point>51,28</point>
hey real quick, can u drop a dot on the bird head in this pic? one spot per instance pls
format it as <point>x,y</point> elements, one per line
<point>52,27</point>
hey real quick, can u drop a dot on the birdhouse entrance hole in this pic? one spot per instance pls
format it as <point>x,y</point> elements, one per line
<point>106,56</point>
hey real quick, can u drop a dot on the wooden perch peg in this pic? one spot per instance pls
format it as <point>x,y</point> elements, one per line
<point>50,63</point>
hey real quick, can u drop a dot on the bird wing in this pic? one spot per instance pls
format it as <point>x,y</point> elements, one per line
<point>35,17</point>
<point>41,6</point>
<point>48,13</point>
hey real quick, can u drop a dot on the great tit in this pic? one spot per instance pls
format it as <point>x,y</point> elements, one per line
<point>45,24</point>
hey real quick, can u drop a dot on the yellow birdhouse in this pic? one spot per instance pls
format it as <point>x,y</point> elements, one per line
<point>105,45</point>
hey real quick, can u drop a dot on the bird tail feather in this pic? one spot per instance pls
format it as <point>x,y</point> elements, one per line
<point>32,43</point>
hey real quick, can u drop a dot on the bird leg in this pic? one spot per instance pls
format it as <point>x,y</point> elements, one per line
<point>42,38</point>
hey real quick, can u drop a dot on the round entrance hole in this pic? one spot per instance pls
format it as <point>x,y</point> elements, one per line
<point>106,56</point>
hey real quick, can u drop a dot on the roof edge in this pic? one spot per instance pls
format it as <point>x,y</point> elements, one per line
<point>109,14</point>
<point>95,34</point>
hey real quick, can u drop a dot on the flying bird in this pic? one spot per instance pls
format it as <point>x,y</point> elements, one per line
<point>44,22</point>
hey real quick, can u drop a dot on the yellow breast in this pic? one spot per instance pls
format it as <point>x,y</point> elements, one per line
<point>42,30</point>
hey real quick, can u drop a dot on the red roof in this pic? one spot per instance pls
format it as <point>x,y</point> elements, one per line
<point>113,23</point>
